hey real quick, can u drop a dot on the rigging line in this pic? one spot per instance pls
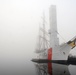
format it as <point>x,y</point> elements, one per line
<point>62,38</point>
<point>44,39</point>
<point>47,44</point>
<point>42,17</point>
<point>46,33</point>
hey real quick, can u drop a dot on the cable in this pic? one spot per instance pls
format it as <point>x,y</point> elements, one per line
<point>62,38</point>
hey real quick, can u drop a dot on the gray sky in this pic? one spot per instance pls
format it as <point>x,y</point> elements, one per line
<point>19,25</point>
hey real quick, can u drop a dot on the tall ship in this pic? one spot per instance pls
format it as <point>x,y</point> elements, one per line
<point>53,58</point>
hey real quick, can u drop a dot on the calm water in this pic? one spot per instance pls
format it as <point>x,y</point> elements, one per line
<point>21,67</point>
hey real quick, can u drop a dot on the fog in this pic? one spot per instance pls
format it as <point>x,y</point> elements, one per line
<point>19,25</point>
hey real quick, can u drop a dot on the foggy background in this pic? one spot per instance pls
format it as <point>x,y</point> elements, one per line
<point>19,26</point>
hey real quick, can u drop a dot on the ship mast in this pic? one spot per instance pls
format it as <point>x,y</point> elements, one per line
<point>44,31</point>
<point>43,42</point>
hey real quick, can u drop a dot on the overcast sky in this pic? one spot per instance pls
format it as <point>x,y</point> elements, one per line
<point>19,25</point>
